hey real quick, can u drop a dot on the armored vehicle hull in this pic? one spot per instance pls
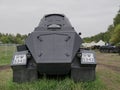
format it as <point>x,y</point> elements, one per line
<point>53,48</point>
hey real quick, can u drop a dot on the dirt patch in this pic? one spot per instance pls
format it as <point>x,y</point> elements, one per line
<point>4,67</point>
<point>115,68</point>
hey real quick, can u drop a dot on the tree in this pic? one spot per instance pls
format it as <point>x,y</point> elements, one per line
<point>115,38</point>
<point>11,38</point>
<point>117,19</point>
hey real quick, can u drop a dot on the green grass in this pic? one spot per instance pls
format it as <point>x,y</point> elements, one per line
<point>48,84</point>
<point>6,53</point>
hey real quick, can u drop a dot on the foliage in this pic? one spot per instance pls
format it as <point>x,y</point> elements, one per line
<point>117,19</point>
<point>11,38</point>
<point>116,35</point>
<point>105,36</point>
<point>101,36</point>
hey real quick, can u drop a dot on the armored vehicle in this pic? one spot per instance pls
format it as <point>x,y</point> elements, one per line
<point>108,49</point>
<point>53,48</point>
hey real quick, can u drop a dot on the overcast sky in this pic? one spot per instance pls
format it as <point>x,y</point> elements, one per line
<point>89,17</point>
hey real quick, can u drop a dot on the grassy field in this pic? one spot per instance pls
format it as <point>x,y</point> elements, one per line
<point>6,53</point>
<point>107,77</point>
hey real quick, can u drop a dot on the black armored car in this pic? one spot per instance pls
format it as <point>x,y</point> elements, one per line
<point>53,48</point>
